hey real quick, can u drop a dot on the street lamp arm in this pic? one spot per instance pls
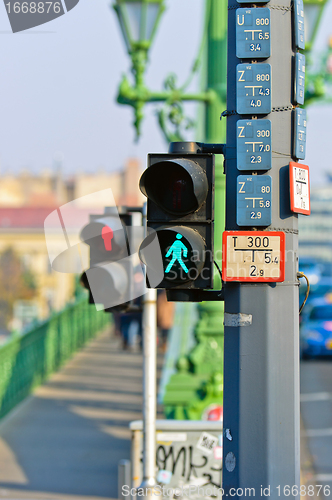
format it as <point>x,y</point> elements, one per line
<point>176,96</point>
<point>139,95</point>
<point>175,116</point>
<point>129,95</point>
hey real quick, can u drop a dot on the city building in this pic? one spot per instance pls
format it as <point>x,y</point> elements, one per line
<point>315,231</point>
<point>26,200</point>
<point>51,188</point>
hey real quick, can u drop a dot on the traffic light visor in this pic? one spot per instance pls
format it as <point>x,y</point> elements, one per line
<point>108,233</point>
<point>178,186</point>
<point>108,283</point>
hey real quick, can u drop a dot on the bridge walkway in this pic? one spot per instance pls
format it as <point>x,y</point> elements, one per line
<point>65,441</point>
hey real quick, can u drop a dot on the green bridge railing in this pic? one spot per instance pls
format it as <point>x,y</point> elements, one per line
<point>27,360</point>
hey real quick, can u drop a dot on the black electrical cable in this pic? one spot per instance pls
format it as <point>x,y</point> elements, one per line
<point>219,271</point>
<point>302,275</point>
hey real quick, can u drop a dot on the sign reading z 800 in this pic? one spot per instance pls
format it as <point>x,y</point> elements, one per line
<point>253,256</point>
<point>253,89</point>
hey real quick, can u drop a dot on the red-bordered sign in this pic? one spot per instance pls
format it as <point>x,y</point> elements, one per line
<point>253,256</point>
<point>299,184</point>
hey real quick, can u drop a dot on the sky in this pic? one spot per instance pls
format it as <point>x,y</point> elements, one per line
<point>319,129</point>
<point>59,84</point>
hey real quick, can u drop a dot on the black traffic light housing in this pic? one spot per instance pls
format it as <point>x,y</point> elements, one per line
<point>110,275</point>
<point>179,187</point>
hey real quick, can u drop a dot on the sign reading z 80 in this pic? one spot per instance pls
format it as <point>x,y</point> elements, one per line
<point>254,145</point>
<point>254,195</point>
<point>253,33</point>
<point>253,256</point>
<point>253,89</point>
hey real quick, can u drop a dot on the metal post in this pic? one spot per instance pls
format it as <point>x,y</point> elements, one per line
<point>261,371</point>
<point>135,458</point>
<point>123,477</point>
<point>149,384</point>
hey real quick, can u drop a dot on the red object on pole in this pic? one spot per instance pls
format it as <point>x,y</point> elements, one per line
<point>107,235</point>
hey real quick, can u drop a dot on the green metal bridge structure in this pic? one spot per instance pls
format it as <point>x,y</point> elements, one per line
<point>28,359</point>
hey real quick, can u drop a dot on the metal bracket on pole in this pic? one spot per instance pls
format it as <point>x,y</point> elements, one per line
<point>196,148</point>
<point>194,295</point>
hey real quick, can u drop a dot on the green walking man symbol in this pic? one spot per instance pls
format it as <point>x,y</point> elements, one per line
<point>176,249</point>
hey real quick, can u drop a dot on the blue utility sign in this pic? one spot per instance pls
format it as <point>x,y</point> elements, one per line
<point>253,89</point>
<point>299,78</point>
<point>254,150</point>
<point>254,195</point>
<point>299,24</point>
<point>253,38</point>
<point>300,133</point>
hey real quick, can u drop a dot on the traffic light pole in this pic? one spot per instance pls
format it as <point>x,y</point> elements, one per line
<point>149,384</point>
<point>261,343</point>
<point>149,387</point>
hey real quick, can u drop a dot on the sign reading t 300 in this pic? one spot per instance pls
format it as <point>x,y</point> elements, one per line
<point>253,89</point>
<point>253,256</point>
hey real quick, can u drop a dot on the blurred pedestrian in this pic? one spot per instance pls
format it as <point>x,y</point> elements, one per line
<point>165,317</point>
<point>131,327</point>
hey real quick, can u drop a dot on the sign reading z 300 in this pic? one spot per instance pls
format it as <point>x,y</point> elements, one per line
<point>254,145</point>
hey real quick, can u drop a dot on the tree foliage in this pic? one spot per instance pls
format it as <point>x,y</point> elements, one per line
<point>16,283</point>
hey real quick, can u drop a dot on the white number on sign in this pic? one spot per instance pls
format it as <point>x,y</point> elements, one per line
<point>258,242</point>
<point>263,133</point>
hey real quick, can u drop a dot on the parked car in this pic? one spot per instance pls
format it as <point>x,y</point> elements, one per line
<point>316,328</point>
<point>319,289</point>
<point>312,268</point>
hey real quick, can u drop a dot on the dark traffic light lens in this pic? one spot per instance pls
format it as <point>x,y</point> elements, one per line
<point>179,186</point>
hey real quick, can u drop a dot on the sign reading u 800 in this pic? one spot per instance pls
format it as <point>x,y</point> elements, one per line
<point>253,38</point>
<point>253,89</point>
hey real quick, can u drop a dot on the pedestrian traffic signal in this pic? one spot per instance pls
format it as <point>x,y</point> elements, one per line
<point>113,273</point>
<point>107,234</point>
<point>179,188</point>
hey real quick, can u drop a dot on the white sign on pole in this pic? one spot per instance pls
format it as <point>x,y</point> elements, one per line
<point>299,188</point>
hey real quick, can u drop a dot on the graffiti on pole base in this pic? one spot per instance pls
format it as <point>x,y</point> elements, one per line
<point>192,464</point>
